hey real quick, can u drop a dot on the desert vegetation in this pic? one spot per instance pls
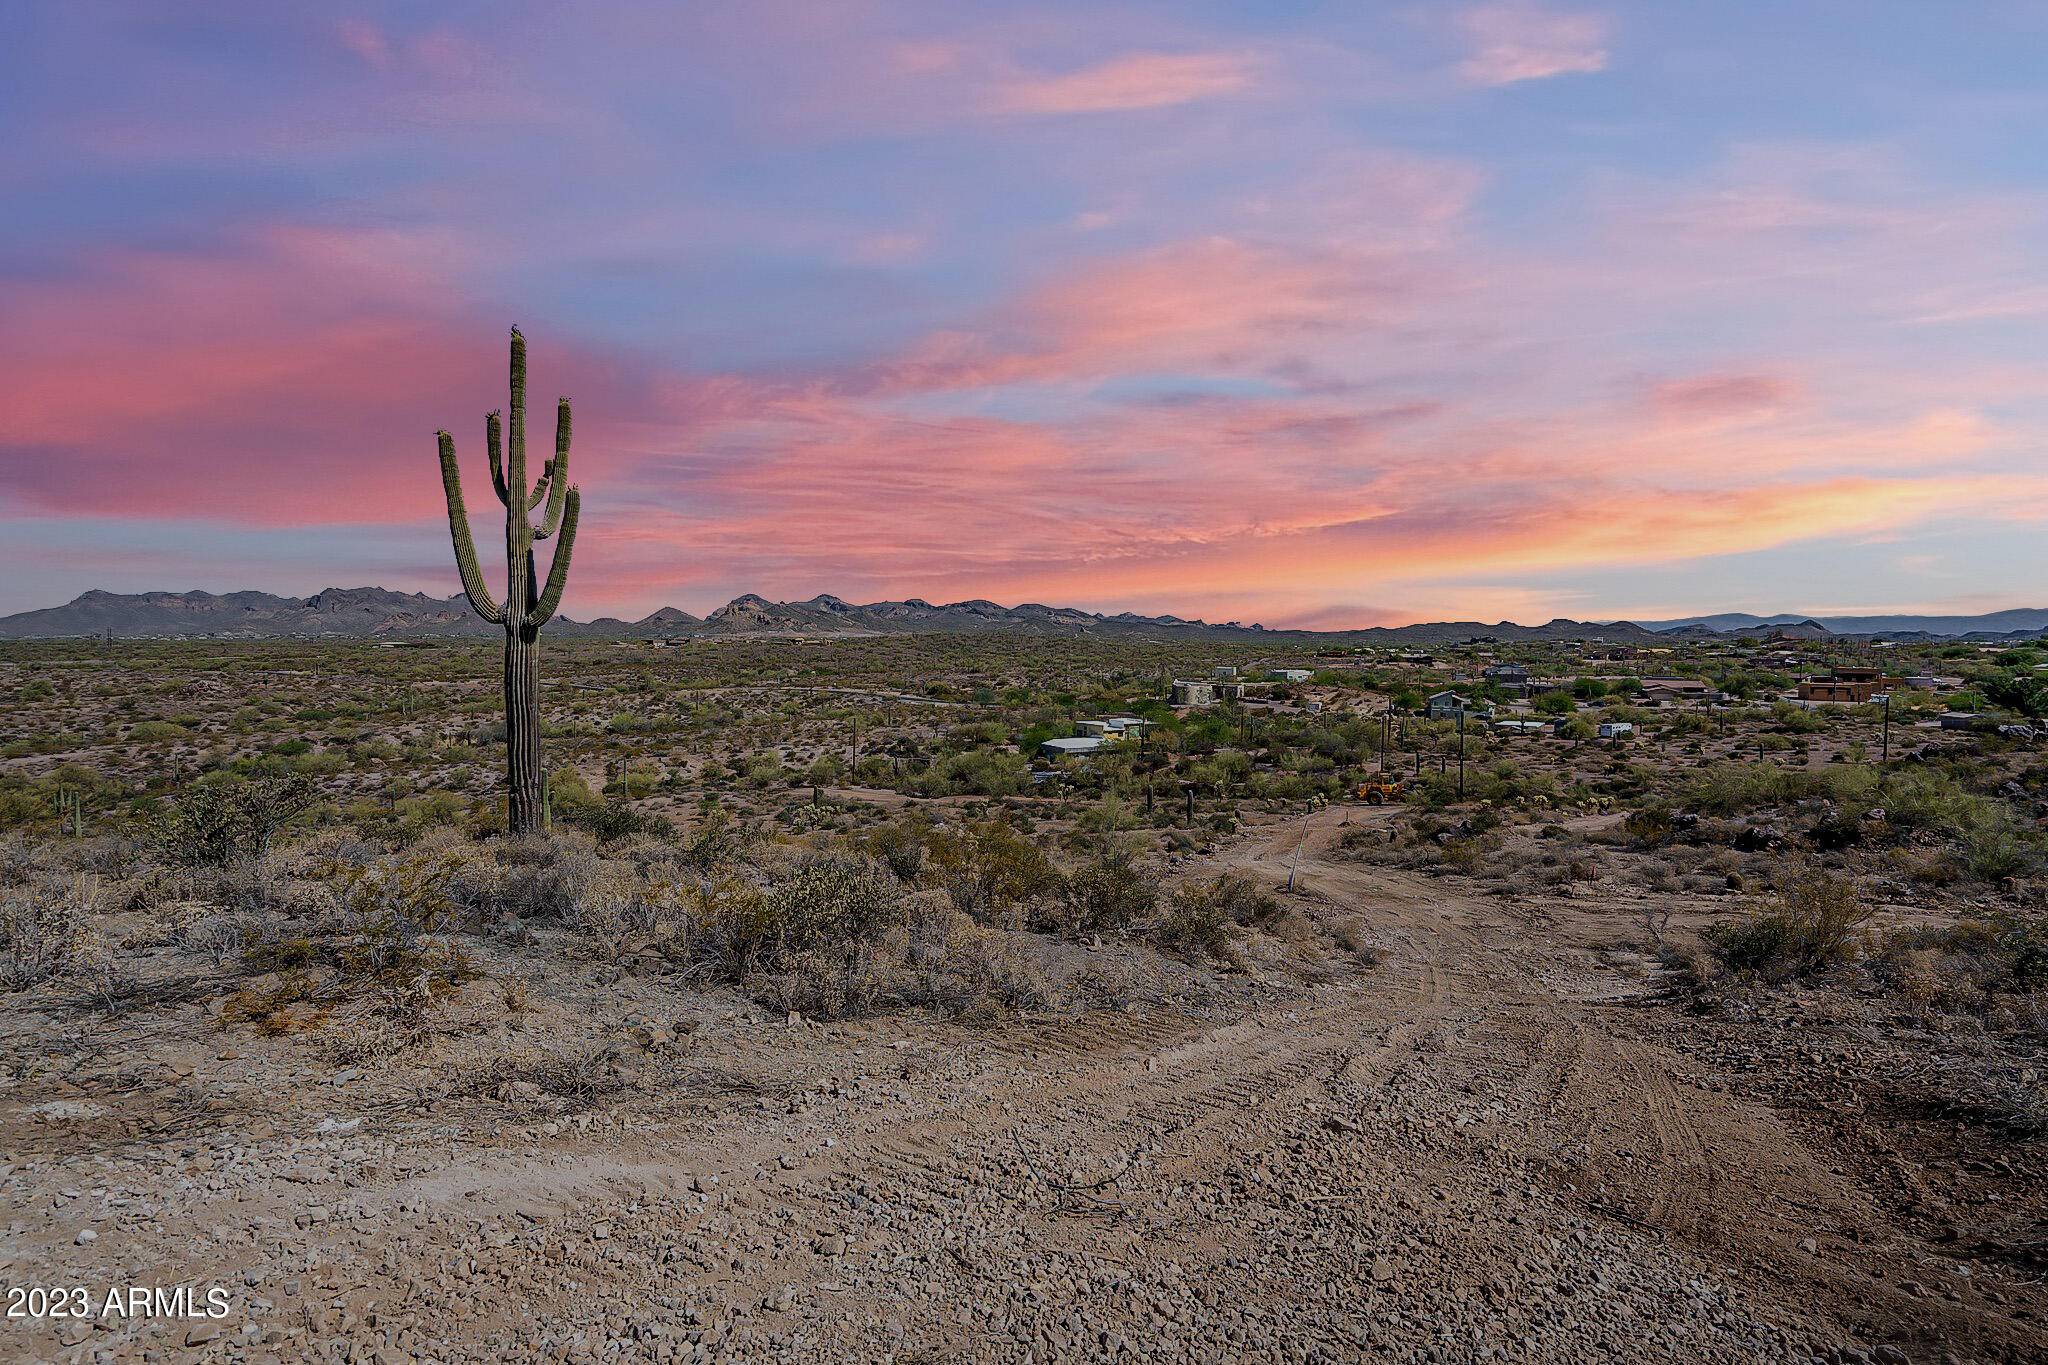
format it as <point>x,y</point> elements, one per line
<point>821,943</point>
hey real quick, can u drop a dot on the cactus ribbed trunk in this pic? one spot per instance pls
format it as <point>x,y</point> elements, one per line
<point>526,608</point>
<point>523,774</point>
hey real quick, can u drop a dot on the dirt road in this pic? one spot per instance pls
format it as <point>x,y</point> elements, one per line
<point>1473,1148</point>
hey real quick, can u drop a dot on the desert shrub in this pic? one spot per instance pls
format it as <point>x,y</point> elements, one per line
<point>1811,926</point>
<point>218,936</point>
<point>385,972</point>
<point>1994,852</point>
<point>932,957</point>
<point>714,840</point>
<point>1198,915</point>
<point>613,819</point>
<point>1108,892</point>
<point>900,846</point>
<point>979,772</point>
<point>1738,788</point>
<point>960,967</point>
<point>615,905</point>
<point>733,931</point>
<point>47,930</point>
<point>1192,921</point>
<point>216,823</point>
<point>545,875</point>
<point>990,870</point>
<point>833,902</point>
<point>396,902</point>
<point>1648,826</point>
<point>1969,967</point>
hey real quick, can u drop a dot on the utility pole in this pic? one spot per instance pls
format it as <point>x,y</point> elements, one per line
<point>1461,753</point>
<point>1885,761</point>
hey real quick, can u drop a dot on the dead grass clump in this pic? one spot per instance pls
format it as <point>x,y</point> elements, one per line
<point>545,876</point>
<point>929,955</point>
<point>1993,968</point>
<point>48,930</point>
<point>219,936</point>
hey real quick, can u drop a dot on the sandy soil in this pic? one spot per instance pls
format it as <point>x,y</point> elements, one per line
<point>1482,1146</point>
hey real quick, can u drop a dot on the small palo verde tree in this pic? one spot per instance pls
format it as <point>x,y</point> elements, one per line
<point>526,608</point>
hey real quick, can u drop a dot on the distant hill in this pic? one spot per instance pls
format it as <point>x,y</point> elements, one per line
<point>2028,619</point>
<point>349,613</point>
<point>375,613</point>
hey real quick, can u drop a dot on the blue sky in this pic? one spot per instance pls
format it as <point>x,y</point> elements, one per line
<point>1302,313</point>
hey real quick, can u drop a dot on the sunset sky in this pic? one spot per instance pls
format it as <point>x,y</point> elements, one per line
<point>1314,314</point>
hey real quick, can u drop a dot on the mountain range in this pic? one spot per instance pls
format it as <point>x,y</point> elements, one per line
<point>375,613</point>
<point>2028,619</point>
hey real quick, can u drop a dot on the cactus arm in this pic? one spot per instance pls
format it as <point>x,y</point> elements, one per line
<point>558,570</point>
<point>458,528</point>
<point>515,473</point>
<point>494,442</point>
<point>555,480</point>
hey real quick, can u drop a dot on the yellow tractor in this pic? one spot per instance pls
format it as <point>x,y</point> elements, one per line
<point>1381,792</point>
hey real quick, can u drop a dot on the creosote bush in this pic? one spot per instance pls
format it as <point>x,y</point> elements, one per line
<point>1813,924</point>
<point>1108,893</point>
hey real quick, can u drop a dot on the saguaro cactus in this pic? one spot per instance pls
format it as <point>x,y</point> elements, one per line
<point>524,610</point>
<point>70,811</point>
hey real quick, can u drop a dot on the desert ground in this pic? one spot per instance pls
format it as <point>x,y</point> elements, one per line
<point>1274,1075</point>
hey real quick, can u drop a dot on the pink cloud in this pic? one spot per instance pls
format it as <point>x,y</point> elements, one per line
<point>1145,80</point>
<point>1522,42</point>
<point>365,40</point>
<point>297,378</point>
<point>1721,395</point>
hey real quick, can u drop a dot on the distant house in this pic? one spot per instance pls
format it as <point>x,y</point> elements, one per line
<point>1078,747</point>
<point>1450,706</point>
<point>1120,725</point>
<point>1964,720</point>
<point>1660,691</point>
<point>1839,690</point>
<point>1225,671</point>
<point>1293,675</point>
<point>1521,727</point>
<point>1227,690</point>
<point>1092,727</point>
<point>1616,729</point>
<point>1511,675</point>
<point>1194,692</point>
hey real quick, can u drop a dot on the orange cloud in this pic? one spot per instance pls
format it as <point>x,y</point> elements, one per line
<point>1144,80</point>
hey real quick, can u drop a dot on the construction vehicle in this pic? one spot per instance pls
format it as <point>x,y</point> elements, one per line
<point>1382,792</point>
